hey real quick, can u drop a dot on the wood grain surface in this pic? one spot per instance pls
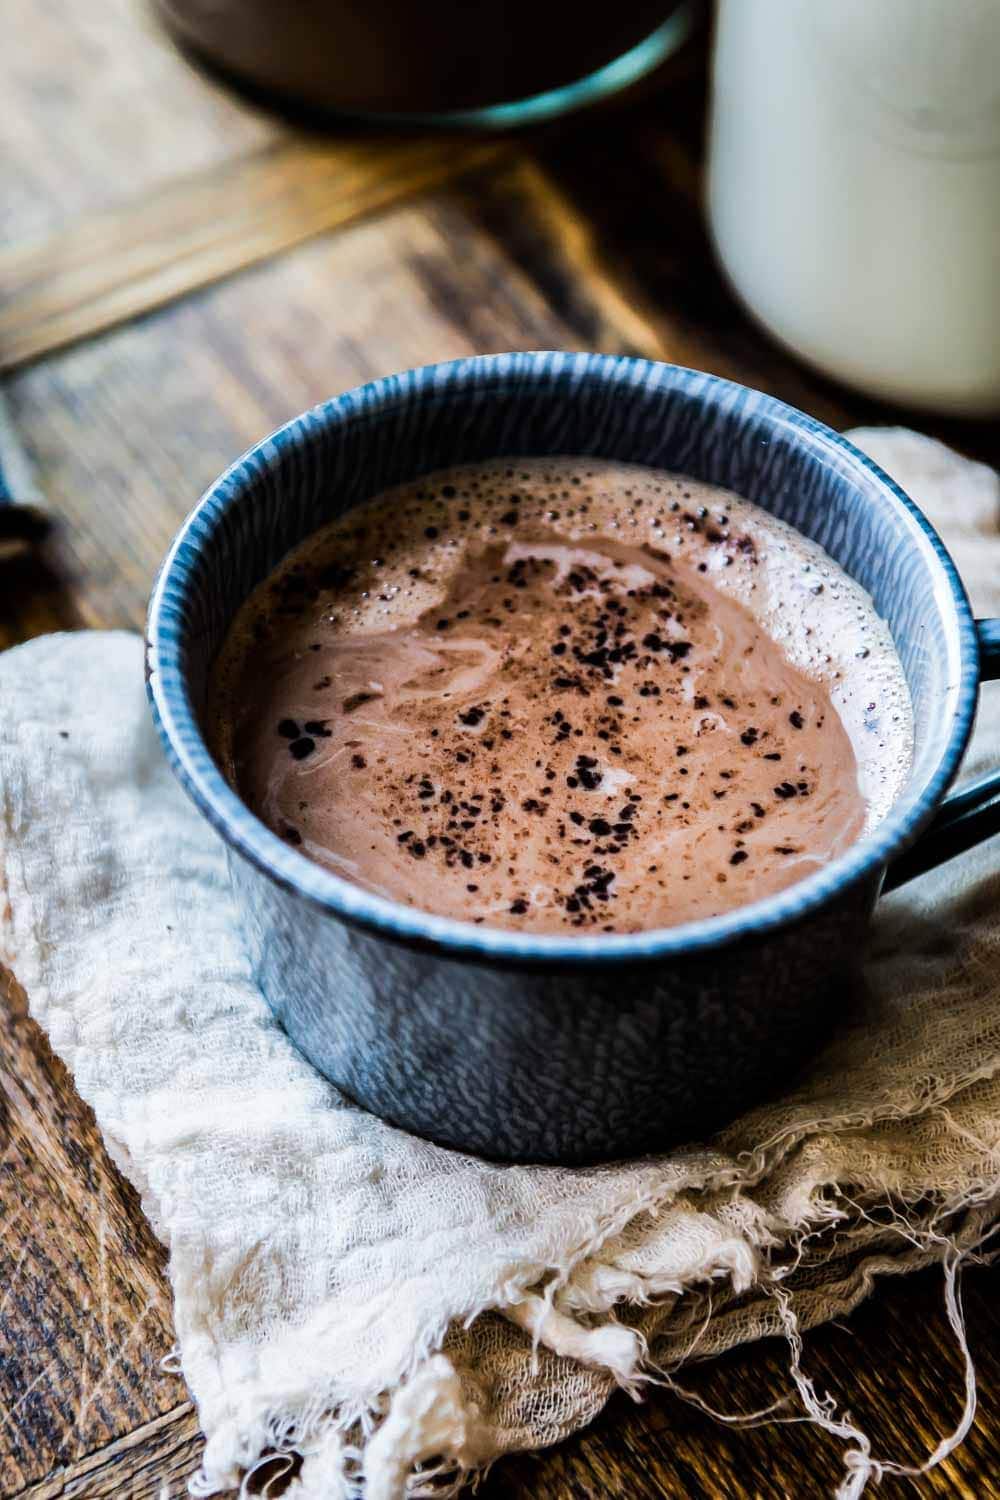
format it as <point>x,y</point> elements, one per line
<point>589,237</point>
<point>98,108</point>
<point>129,260</point>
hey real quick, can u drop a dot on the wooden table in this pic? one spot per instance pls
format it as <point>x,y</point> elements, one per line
<point>180,273</point>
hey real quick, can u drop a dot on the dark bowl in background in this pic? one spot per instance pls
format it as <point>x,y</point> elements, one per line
<point>484,63</point>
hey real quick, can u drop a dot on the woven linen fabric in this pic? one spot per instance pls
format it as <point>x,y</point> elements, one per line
<point>396,1314</point>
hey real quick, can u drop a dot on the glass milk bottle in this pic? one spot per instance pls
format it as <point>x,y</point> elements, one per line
<point>854,188</point>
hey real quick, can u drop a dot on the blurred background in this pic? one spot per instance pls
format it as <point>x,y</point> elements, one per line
<point>217,214</point>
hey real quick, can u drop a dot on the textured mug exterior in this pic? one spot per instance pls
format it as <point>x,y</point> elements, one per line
<point>541,1064</point>
<point>541,1047</point>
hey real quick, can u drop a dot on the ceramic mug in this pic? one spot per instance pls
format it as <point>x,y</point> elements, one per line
<point>550,1047</point>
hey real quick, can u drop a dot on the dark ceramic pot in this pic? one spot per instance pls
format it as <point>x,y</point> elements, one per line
<point>485,64</point>
<point>549,1048</point>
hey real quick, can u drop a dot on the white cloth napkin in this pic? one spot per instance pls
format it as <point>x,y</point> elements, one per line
<point>384,1307</point>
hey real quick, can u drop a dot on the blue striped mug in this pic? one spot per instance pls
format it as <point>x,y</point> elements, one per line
<point>546,1047</point>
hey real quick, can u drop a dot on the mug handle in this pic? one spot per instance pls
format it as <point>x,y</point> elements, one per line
<point>968,816</point>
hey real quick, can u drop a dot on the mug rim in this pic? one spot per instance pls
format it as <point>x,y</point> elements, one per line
<point>195,768</point>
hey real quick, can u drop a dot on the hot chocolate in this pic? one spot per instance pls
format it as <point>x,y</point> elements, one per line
<point>563,695</point>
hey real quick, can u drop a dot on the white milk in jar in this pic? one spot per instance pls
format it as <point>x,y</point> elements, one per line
<point>854,188</point>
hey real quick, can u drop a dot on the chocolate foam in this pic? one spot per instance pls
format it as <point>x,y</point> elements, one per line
<point>560,695</point>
